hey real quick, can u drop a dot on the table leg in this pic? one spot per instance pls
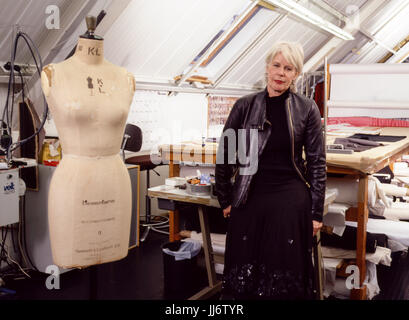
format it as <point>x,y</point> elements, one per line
<point>174,226</point>
<point>174,171</point>
<point>362,219</point>
<point>318,266</point>
<point>214,284</point>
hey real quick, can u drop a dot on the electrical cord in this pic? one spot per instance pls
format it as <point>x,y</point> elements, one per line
<point>11,85</point>
<point>5,256</point>
<point>12,239</point>
<point>7,142</point>
<point>22,235</point>
<point>22,85</point>
<point>4,252</point>
<point>28,40</point>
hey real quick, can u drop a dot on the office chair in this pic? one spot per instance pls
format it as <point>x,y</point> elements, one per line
<point>132,141</point>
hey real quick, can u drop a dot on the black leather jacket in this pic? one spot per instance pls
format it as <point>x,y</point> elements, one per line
<point>304,123</point>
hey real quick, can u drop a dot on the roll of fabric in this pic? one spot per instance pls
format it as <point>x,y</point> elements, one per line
<point>348,240</point>
<point>398,211</point>
<point>393,190</point>
<point>348,190</point>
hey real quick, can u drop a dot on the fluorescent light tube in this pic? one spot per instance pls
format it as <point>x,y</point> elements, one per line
<point>311,17</point>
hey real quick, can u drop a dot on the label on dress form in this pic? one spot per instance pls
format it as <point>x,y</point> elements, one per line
<point>90,209</point>
<point>97,235</point>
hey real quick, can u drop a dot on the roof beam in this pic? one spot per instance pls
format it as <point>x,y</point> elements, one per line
<point>402,43</point>
<point>377,41</point>
<point>330,9</point>
<point>247,50</point>
<point>392,51</point>
<point>401,5</point>
<point>334,43</point>
<point>310,17</point>
<point>215,44</point>
<point>325,6</point>
<point>402,53</point>
<point>226,90</point>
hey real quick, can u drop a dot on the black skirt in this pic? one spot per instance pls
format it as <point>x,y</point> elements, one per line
<point>268,245</point>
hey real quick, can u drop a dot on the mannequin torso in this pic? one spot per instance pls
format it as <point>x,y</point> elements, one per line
<point>90,198</point>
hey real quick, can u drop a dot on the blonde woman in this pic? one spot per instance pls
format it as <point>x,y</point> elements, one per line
<point>274,210</point>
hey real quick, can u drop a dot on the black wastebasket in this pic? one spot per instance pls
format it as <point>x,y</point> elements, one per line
<point>180,276</point>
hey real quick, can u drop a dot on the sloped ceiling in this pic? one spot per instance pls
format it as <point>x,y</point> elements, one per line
<point>157,40</point>
<point>27,16</point>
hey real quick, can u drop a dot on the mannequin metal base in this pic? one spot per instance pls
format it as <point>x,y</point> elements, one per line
<point>154,226</point>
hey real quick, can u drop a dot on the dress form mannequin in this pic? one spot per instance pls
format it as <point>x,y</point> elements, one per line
<point>90,199</point>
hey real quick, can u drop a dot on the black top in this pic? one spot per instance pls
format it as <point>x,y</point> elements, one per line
<point>275,164</point>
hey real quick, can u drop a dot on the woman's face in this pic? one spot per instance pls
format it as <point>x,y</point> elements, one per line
<point>280,74</point>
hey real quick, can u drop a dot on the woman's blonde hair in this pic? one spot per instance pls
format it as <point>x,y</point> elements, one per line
<point>292,52</point>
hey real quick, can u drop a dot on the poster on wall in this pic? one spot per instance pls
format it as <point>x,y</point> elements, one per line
<point>219,108</point>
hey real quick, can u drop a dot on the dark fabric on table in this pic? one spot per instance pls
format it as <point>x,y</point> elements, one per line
<point>377,137</point>
<point>357,145</point>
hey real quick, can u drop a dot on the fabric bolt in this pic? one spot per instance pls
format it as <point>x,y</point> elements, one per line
<point>348,190</point>
<point>382,255</point>
<point>348,240</point>
<point>394,190</point>
<point>395,230</point>
<point>398,211</point>
<point>269,239</point>
<point>404,172</point>
<point>335,215</point>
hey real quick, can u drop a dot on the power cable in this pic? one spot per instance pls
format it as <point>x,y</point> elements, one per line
<point>6,141</point>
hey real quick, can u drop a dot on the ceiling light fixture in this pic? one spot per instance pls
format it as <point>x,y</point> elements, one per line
<point>311,17</point>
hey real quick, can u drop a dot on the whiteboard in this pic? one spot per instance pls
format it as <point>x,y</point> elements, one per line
<point>168,119</point>
<point>374,90</point>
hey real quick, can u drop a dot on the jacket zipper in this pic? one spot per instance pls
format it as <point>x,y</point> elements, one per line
<point>245,195</point>
<point>292,143</point>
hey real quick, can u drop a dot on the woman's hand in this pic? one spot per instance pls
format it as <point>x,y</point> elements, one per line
<point>226,212</point>
<point>316,226</point>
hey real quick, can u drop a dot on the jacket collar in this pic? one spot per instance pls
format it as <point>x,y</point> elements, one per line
<point>259,119</point>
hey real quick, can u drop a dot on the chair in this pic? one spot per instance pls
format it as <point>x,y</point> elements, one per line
<point>132,141</point>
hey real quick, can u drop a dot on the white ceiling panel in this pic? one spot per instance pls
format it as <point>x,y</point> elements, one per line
<point>29,16</point>
<point>397,29</point>
<point>250,71</point>
<point>240,42</point>
<point>350,51</point>
<point>378,19</point>
<point>64,47</point>
<point>157,39</point>
<point>389,25</point>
